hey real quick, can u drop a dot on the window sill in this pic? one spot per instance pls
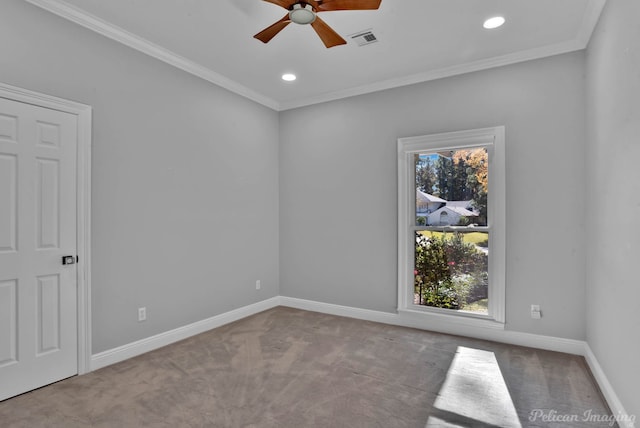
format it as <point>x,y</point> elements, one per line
<point>428,317</point>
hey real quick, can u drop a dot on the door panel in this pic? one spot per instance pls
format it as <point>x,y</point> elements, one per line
<point>47,209</point>
<point>38,295</point>
<point>9,205</point>
<point>8,322</point>
<point>48,314</point>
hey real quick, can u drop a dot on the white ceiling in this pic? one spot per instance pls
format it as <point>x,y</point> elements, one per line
<point>419,40</point>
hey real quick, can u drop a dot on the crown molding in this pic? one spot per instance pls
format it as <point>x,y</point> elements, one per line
<point>73,14</point>
<point>456,70</point>
<point>590,20</point>
<point>581,41</point>
<point>93,23</point>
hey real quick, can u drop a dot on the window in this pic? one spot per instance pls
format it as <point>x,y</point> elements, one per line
<point>452,260</point>
<point>444,218</point>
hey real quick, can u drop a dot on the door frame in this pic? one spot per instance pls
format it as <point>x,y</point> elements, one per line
<point>83,193</point>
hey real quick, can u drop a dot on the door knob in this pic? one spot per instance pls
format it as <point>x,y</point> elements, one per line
<point>68,260</point>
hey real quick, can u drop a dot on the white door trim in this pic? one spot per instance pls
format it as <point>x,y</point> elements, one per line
<point>83,113</point>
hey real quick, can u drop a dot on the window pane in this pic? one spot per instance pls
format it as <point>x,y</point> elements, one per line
<point>452,187</point>
<point>451,270</point>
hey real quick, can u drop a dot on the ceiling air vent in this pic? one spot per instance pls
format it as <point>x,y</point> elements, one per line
<point>365,37</point>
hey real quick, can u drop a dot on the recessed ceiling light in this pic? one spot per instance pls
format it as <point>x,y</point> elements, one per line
<point>494,22</point>
<point>289,77</point>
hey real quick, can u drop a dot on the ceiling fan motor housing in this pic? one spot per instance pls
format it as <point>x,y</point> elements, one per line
<point>302,14</point>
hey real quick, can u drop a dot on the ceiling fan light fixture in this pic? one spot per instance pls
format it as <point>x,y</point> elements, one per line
<point>302,14</point>
<point>289,77</point>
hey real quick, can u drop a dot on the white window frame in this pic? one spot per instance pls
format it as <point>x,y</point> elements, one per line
<point>494,140</point>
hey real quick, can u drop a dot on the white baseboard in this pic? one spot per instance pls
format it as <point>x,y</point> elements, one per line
<point>343,311</point>
<point>550,343</point>
<point>617,409</point>
<point>139,347</point>
<point>486,331</point>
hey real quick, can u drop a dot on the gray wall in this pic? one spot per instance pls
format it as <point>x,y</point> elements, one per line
<point>185,193</point>
<point>338,192</point>
<point>613,292</point>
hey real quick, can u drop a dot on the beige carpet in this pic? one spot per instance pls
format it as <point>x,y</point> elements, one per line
<point>291,368</point>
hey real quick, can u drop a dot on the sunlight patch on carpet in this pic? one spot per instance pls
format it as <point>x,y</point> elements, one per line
<point>474,392</point>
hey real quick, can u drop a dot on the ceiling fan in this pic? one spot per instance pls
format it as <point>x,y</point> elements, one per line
<point>305,12</point>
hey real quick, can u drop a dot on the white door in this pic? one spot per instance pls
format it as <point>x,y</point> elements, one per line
<point>38,296</point>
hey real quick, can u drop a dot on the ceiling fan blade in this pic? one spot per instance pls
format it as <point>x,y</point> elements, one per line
<point>314,3</point>
<point>329,37</point>
<point>271,31</point>
<point>282,3</point>
<point>328,5</point>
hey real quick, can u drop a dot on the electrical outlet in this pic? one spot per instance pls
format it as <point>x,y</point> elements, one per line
<point>142,314</point>
<point>535,312</point>
<point>258,285</point>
